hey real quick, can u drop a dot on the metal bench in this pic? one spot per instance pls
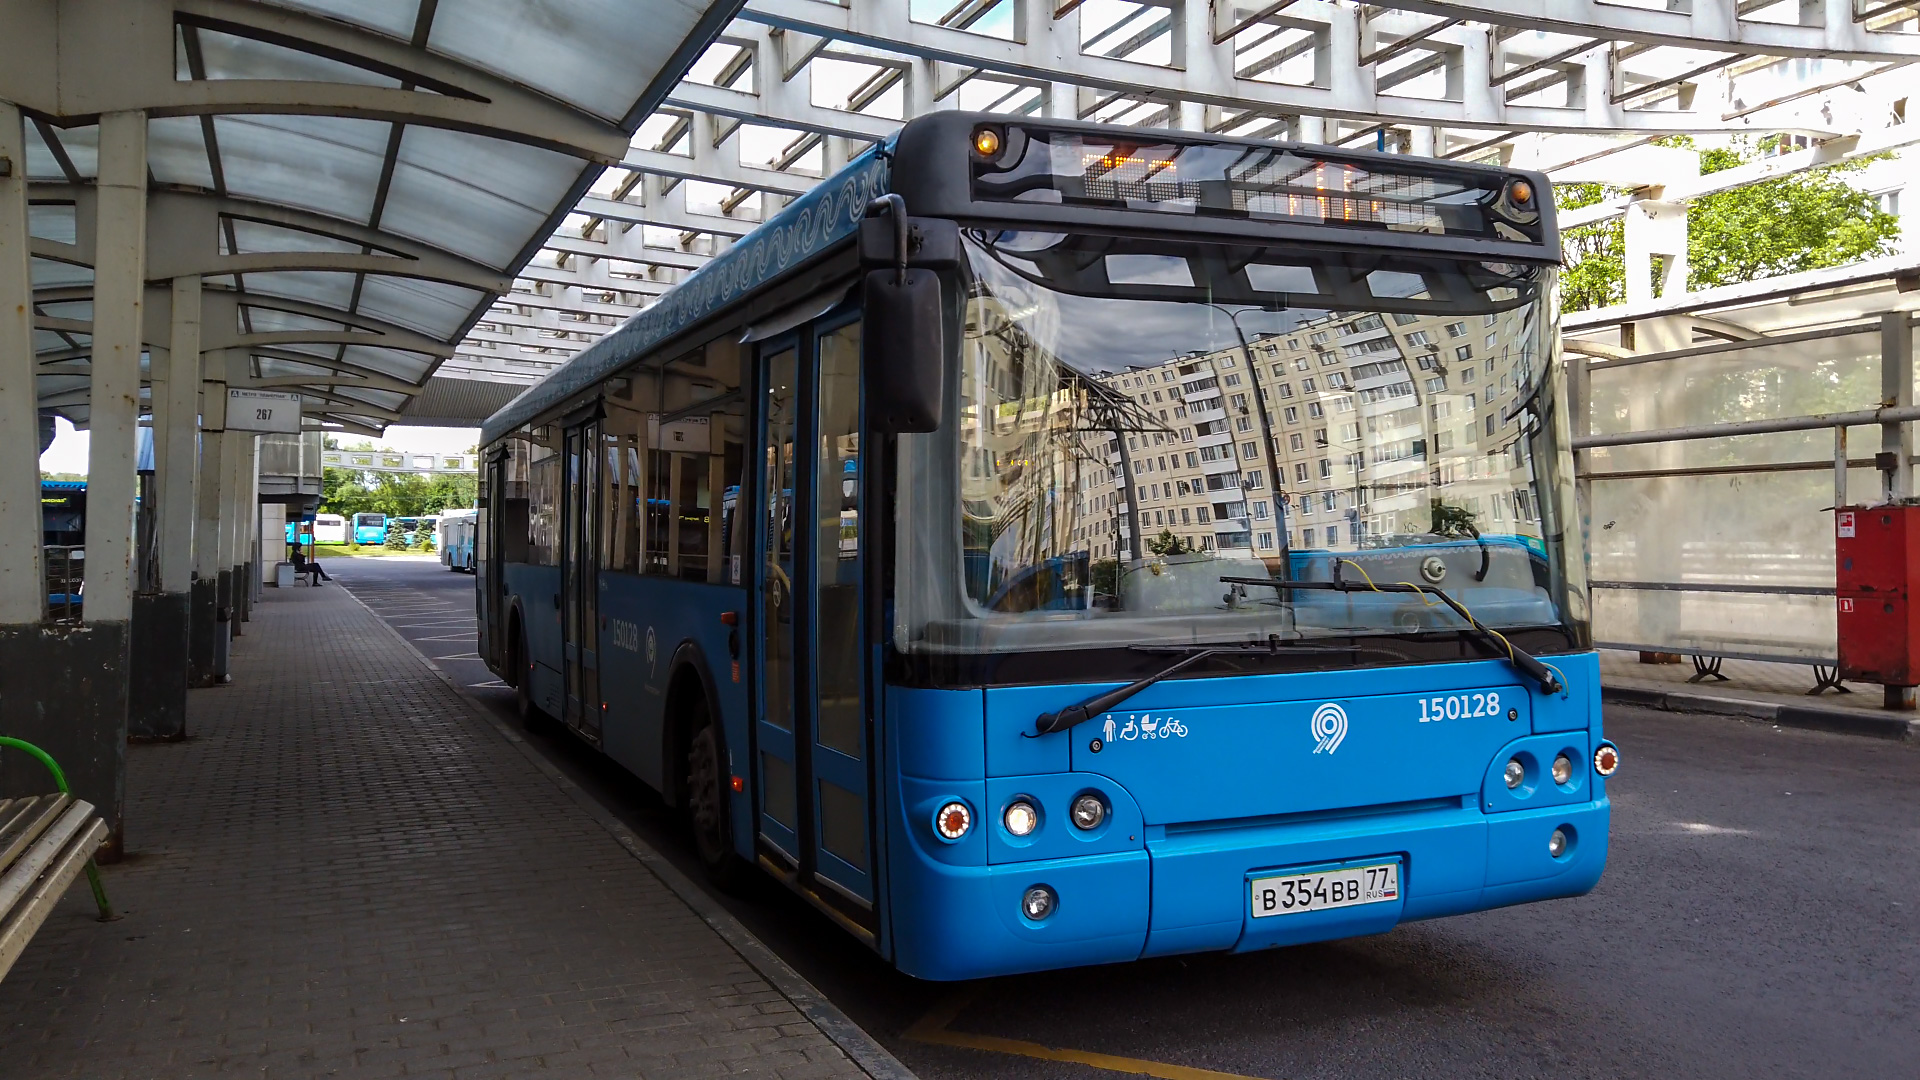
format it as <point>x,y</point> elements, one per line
<point>45,842</point>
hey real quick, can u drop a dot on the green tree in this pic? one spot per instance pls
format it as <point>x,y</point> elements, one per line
<point>1805,221</point>
<point>1168,544</point>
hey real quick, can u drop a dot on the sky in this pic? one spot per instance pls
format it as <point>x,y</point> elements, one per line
<point>68,454</point>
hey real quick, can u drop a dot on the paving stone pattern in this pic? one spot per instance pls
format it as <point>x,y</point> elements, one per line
<point>346,873</point>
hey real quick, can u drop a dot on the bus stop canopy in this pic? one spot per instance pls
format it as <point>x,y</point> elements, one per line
<point>354,181</point>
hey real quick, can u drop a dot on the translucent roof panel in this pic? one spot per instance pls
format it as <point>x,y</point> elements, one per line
<point>78,310</point>
<point>46,341</point>
<point>276,367</point>
<point>385,399</point>
<point>427,306</point>
<point>476,196</point>
<point>406,365</point>
<point>266,320</point>
<point>395,18</point>
<point>82,146</point>
<point>327,164</point>
<point>254,236</point>
<point>226,56</point>
<point>334,290</point>
<point>597,54</point>
<point>51,274</point>
<point>53,221</point>
<point>177,151</point>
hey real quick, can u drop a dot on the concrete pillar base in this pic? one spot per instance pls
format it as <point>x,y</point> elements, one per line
<point>203,604</point>
<point>237,598</point>
<point>157,663</point>
<point>227,627</point>
<point>66,692</point>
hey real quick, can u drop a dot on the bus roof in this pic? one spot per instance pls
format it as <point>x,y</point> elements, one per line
<point>936,178</point>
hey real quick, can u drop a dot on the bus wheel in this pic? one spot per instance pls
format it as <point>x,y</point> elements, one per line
<point>707,804</point>
<point>530,715</point>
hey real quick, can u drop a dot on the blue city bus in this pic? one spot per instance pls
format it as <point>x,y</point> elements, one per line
<point>830,547</point>
<point>369,528</point>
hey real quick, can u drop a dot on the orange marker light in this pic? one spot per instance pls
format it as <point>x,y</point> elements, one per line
<point>739,784</point>
<point>730,618</point>
<point>1521,192</point>
<point>986,142</point>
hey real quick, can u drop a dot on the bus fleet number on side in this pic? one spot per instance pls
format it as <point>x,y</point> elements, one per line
<point>1459,706</point>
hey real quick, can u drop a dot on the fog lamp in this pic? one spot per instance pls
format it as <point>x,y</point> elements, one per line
<point>1038,903</point>
<point>1562,769</point>
<point>1516,772</point>
<point>1088,812</point>
<point>1557,843</point>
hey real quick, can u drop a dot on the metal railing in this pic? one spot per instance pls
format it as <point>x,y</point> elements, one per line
<point>66,579</point>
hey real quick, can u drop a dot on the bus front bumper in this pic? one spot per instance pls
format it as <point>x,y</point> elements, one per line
<point>1188,890</point>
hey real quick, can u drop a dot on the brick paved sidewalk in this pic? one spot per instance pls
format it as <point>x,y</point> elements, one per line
<point>346,872</point>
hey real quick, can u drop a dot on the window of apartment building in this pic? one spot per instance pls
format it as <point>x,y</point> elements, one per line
<point>1314,411</point>
<point>1466,375</point>
<point>1332,499</point>
<point>1491,421</point>
<point>1193,460</point>
<point>1266,539</point>
<point>1243,423</point>
<point>1336,380</point>
<point>1306,386</point>
<point>1437,384</point>
<point>1249,451</point>
<point>1349,432</point>
<point>1463,353</point>
<point>1260,510</point>
<point>1402,318</point>
<point>1300,473</point>
<point>1299,363</point>
<point>1429,362</point>
<point>1185,519</point>
<point>1419,337</point>
<point>1296,441</point>
<point>1319,436</point>
<point>1231,379</point>
<point>1239,401</point>
<point>1456,329</point>
<point>1293,343</point>
<point>1326,468</point>
<point>1286,391</point>
<point>1292,414</point>
<point>1181,411</point>
<point>1201,514</point>
<point>1255,479</point>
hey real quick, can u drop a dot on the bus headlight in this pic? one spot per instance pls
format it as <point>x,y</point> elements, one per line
<point>1516,772</point>
<point>1021,818</point>
<point>1557,843</point>
<point>953,820</point>
<point>1089,811</point>
<point>1038,903</point>
<point>1562,769</point>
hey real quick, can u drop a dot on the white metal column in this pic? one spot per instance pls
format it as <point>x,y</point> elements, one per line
<point>211,487</point>
<point>120,249</point>
<point>23,591</point>
<point>176,419</point>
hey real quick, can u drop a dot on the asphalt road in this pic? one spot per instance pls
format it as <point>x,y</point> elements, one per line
<point>1759,917</point>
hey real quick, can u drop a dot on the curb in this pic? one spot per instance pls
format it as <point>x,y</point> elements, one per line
<point>1841,721</point>
<point>861,1048</point>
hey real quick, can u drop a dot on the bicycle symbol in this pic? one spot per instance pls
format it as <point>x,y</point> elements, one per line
<point>1171,728</point>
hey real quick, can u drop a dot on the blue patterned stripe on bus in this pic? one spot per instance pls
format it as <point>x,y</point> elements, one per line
<point>808,225</point>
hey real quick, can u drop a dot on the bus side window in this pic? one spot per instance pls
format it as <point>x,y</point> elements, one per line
<point>624,431</point>
<point>543,497</point>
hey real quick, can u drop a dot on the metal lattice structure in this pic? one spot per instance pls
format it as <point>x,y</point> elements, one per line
<point>793,88</point>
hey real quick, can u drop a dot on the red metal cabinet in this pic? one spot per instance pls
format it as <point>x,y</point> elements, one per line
<point>1876,565</point>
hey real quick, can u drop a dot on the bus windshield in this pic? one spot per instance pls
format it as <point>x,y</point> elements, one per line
<point>1137,419</point>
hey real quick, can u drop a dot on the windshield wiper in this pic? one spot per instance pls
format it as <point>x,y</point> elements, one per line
<point>1049,722</point>
<point>1518,657</point>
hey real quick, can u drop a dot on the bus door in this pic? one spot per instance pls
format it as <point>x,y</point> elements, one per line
<point>816,734</point>
<point>579,577</point>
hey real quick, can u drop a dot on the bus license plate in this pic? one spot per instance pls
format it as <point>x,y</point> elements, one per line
<point>1351,886</point>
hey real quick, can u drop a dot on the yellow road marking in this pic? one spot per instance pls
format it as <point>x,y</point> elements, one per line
<point>933,1028</point>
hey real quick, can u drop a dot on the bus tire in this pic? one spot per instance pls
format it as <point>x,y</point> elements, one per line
<point>523,706</point>
<point>707,805</point>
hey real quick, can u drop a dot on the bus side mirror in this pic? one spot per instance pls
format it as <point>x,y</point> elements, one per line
<point>901,350</point>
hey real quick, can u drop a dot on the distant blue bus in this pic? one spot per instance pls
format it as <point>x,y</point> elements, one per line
<point>369,528</point>
<point>1158,543</point>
